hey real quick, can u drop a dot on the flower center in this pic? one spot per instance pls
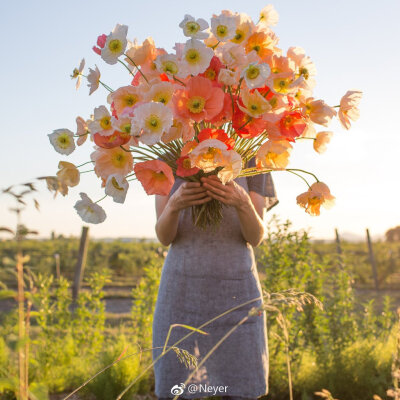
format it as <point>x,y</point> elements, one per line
<point>186,163</point>
<point>304,71</point>
<point>252,72</point>
<point>193,27</point>
<point>160,176</point>
<point>153,122</point>
<point>209,155</point>
<point>170,67</point>
<point>222,30</point>
<point>126,128</point>
<point>281,85</point>
<point>210,74</point>
<point>115,184</point>
<point>196,104</point>
<point>130,100</point>
<point>239,36</point>
<point>162,98</point>
<point>192,56</point>
<point>115,46</point>
<point>118,160</point>
<point>63,141</point>
<point>105,123</point>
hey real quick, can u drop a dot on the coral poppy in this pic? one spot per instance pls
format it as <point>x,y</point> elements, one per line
<point>292,125</point>
<point>219,134</point>
<point>200,100</point>
<point>155,176</point>
<point>184,167</point>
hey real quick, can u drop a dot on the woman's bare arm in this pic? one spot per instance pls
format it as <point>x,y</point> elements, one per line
<point>168,209</point>
<point>250,207</point>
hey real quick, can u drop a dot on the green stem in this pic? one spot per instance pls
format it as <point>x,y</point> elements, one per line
<point>101,199</point>
<point>81,165</point>
<point>133,62</point>
<point>126,67</point>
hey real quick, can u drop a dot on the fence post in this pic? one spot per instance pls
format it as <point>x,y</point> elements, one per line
<point>372,260</point>
<point>58,272</point>
<point>338,246</point>
<point>80,265</point>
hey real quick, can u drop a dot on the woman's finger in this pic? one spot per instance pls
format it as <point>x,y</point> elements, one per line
<point>201,201</point>
<point>215,182</point>
<point>215,189</point>
<point>193,190</point>
<point>217,197</point>
<point>188,185</point>
<point>194,196</point>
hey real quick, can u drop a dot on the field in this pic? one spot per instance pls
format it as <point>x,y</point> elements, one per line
<point>348,347</point>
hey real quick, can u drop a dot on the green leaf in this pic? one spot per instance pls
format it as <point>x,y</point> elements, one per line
<point>7,294</point>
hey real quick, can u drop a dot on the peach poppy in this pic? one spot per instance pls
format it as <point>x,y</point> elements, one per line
<point>125,96</point>
<point>228,77</point>
<point>82,130</point>
<point>263,43</point>
<point>244,28</point>
<point>208,154</point>
<point>200,100</point>
<point>219,134</point>
<point>68,175</point>
<point>318,111</point>
<point>292,125</point>
<point>111,161</point>
<point>140,54</point>
<point>232,166</point>
<point>274,154</point>
<point>321,140</point>
<point>317,195</point>
<point>348,108</point>
<point>184,167</point>
<point>155,176</point>
<point>254,104</point>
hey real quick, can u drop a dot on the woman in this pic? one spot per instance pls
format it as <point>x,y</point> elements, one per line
<point>206,273</point>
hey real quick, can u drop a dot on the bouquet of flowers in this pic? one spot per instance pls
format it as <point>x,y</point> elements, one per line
<point>225,95</point>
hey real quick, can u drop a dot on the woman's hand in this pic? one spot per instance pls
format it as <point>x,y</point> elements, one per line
<point>230,194</point>
<point>168,209</point>
<point>188,194</point>
<point>250,217</point>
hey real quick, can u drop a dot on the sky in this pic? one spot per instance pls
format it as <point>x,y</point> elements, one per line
<point>354,45</point>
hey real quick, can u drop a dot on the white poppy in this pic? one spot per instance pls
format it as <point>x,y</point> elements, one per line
<point>196,57</point>
<point>151,120</point>
<point>89,211</point>
<point>93,79</point>
<point>117,187</point>
<point>256,75</point>
<point>224,26</point>
<point>115,45</point>
<point>102,122</point>
<point>194,27</point>
<point>170,65</point>
<point>62,141</point>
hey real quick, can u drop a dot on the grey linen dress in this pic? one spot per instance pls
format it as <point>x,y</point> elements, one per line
<point>204,274</point>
